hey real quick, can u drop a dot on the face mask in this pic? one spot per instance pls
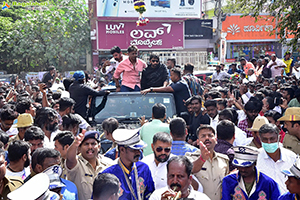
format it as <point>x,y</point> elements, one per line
<point>270,147</point>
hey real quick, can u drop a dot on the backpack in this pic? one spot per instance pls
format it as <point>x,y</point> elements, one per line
<point>266,72</point>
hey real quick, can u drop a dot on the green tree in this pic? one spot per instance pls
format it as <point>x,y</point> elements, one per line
<point>56,34</point>
<point>286,14</point>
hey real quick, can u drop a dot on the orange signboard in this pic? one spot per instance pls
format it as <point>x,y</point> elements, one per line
<point>246,28</point>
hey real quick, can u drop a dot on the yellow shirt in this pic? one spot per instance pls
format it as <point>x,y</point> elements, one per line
<point>83,175</point>
<point>212,173</point>
<point>288,63</point>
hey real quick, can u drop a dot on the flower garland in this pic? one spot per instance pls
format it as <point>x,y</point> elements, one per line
<point>139,6</point>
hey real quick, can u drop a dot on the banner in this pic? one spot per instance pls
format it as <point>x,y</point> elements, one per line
<point>246,28</point>
<point>154,8</point>
<point>156,35</point>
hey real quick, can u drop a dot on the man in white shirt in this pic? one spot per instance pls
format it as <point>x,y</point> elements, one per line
<point>272,158</point>
<point>251,75</point>
<point>157,162</point>
<point>19,157</point>
<point>110,65</point>
<point>212,111</point>
<point>219,75</point>
<point>276,65</point>
<point>179,180</point>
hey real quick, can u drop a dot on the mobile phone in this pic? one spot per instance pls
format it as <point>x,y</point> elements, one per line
<point>101,8</point>
<point>112,8</point>
<point>236,94</point>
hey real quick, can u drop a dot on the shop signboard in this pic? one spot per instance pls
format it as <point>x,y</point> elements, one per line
<point>156,35</point>
<point>154,8</point>
<point>198,29</point>
<point>247,29</point>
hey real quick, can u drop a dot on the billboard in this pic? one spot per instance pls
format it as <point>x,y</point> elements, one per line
<point>156,35</point>
<point>198,29</point>
<point>154,8</point>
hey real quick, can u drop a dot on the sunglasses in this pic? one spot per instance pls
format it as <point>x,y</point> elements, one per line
<point>167,150</point>
<point>155,61</point>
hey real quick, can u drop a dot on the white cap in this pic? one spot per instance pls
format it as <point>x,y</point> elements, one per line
<point>129,137</point>
<point>36,187</point>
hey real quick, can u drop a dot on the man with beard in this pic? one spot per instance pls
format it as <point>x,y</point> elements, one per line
<point>7,184</point>
<point>131,68</point>
<point>19,157</point>
<point>276,65</point>
<point>209,167</point>
<point>83,169</point>
<point>197,119</point>
<point>7,118</point>
<point>47,120</point>
<point>157,162</point>
<point>248,182</point>
<point>111,65</point>
<point>219,75</point>
<point>179,181</point>
<point>252,108</point>
<point>155,74</point>
<point>135,176</point>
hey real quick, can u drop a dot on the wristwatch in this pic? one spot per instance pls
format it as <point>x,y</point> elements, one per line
<point>151,89</point>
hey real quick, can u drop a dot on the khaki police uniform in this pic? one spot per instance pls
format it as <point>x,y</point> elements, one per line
<point>292,143</point>
<point>212,173</point>
<point>10,184</point>
<point>83,175</point>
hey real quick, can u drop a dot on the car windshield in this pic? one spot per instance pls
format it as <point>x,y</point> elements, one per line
<point>133,105</point>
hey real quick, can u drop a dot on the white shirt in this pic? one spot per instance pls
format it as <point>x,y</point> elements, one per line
<point>156,195</point>
<point>276,72</point>
<point>159,172</point>
<point>50,143</point>
<point>22,174</point>
<point>252,78</point>
<point>114,64</point>
<point>12,131</point>
<point>214,122</point>
<point>266,165</point>
<point>241,137</point>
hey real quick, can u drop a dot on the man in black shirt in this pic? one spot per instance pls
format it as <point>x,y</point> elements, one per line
<point>155,75</point>
<point>178,87</point>
<point>49,77</point>
<point>198,118</point>
<point>80,92</point>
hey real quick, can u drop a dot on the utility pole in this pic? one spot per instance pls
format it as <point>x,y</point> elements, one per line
<point>220,17</point>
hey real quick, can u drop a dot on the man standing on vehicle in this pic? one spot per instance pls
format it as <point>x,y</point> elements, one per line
<point>111,65</point>
<point>131,68</point>
<point>155,75</point>
<point>179,88</point>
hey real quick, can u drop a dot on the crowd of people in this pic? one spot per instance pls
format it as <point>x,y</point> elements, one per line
<point>236,134</point>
